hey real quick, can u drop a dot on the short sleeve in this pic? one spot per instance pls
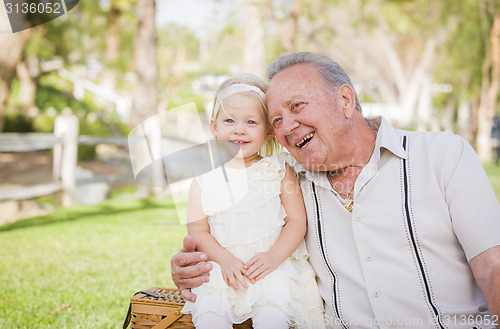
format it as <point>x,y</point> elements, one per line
<point>473,205</point>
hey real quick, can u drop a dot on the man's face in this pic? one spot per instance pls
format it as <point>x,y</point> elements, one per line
<point>307,116</point>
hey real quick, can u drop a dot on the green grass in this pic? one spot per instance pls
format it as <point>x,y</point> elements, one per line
<point>78,267</point>
<point>493,173</point>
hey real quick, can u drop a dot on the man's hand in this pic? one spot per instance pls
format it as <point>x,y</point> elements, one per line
<point>261,265</point>
<point>189,268</point>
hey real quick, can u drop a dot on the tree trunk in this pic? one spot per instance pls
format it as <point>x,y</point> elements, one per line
<point>254,53</point>
<point>409,96</point>
<point>10,54</point>
<point>146,94</point>
<point>112,35</point>
<point>108,77</point>
<point>287,27</point>
<point>424,105</point>
<point>145,60</point>
<point>27,70</point>
<point>175,79</point>
<point>465,122</point>
<point>489,93</point>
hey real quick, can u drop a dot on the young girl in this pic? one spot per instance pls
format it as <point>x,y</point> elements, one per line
<point>248,216</point>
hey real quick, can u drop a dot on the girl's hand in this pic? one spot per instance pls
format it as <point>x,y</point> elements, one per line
<point>261,265</point>
<point>233,272</point>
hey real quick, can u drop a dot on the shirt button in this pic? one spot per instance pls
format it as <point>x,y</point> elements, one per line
<point>358,219</point>
<point>376,294</point>
<point>368,258</point>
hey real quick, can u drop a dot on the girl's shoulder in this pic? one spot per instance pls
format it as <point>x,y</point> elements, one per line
<point>274,164</point>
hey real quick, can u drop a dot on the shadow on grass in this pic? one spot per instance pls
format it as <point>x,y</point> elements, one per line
<point>109,207</point>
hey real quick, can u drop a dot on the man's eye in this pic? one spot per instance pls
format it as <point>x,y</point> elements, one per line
<point>276,122</point>
<point>297,105</point>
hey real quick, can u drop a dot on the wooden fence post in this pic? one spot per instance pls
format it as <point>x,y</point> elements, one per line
<point>65,153</point>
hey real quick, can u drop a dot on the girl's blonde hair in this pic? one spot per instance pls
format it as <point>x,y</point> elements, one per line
<point>270,146</point>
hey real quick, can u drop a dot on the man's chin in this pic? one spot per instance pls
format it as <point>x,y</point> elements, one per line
<point>310,162</point>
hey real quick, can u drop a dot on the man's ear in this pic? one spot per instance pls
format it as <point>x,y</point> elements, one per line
<point>213,127</point>
<point>347,100</point>
<point>270,134</point>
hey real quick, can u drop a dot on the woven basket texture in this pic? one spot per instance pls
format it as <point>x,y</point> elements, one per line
<point>147,311</point>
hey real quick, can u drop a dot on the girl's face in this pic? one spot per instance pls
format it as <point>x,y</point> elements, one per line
<point>241,122</point>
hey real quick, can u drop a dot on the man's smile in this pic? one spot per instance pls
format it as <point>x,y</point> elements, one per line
<point>306,139</point>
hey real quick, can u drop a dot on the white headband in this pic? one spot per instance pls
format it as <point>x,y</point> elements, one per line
<point>235,89</point>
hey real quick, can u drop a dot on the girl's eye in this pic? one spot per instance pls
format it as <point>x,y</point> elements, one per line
<point>229,120</point>
<point>251,122</point>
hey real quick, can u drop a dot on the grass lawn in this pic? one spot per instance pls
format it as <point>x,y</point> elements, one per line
<point>78,267</point>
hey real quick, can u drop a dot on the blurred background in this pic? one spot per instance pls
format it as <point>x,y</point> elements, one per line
<point>107,65</point>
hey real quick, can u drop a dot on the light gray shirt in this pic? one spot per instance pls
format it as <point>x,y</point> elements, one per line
<point>423,207</point>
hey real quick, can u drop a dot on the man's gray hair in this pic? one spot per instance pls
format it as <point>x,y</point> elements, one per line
<point>330,70</point>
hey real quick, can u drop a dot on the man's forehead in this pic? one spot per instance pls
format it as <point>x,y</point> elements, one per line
<point>297,76</point>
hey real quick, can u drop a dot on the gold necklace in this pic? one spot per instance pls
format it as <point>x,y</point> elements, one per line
<point>349,202</point>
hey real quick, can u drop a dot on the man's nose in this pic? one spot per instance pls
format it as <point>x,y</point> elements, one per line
<point>288,124</point>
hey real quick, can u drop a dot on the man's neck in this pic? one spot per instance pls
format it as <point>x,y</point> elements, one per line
<point>361,147</point>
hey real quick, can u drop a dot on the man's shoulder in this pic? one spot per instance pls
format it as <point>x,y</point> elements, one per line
<point>432,138</point>
<point>441,148</point>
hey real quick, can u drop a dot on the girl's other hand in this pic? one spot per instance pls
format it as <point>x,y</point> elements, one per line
<point>261,265</point>
<point>233,272</point>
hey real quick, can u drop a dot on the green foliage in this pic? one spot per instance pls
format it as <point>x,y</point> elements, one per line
<point>50,97</point>
<point>127,35</point>
<point>100,126</point>
<point>184,95</point>
<point>464,50</point>
<point>89,124</point>
<point>173,36</point>
<point>44,123</point>
<point>77,267</point>
<point>19,123</point>
<point>55,93</point>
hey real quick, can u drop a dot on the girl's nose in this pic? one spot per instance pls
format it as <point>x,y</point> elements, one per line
<point>239,129</point>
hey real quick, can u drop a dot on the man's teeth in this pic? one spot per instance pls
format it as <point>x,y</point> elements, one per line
<point>304,140</point>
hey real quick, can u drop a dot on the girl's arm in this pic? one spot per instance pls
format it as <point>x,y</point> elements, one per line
<point>292,234</point>
<point>198,228</point>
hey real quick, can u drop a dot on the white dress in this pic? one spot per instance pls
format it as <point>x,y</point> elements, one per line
<point>245,216</point>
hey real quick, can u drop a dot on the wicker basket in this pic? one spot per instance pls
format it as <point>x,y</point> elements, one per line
<point>160,308</point>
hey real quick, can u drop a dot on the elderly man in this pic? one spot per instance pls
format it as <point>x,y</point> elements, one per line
<point>403,227</point>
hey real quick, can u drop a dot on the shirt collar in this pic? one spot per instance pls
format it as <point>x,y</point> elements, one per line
<point>387,138</point>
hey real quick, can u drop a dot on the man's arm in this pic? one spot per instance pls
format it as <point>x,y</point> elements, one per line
<point>486,270</point>
<point>189,268</point>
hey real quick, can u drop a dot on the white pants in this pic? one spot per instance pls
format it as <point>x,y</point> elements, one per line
<point>268,317</point>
